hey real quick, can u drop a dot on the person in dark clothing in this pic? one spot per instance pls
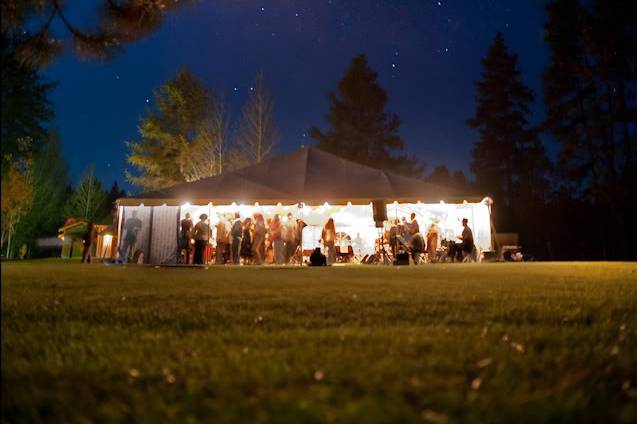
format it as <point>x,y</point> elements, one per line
<point>87,239</point>
<point>246,241</point>
<point>236,232</point>
<point>417,246</point>
<point>132,228</point>
<point>202,237</point>
<point>317,258</point>
<point>185,234</point>
<point>467,238</point>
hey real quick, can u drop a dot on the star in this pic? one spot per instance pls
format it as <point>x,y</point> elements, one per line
<point>147,100</point>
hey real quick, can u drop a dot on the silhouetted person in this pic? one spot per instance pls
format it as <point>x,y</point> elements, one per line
<point>132,228</point>
<point>467,238</point>
<point>185,234</point>
<point>235,233</point>
<point>201,236</point>
<point>246,241</point>
<point>317,258</point>
<point>413,226</point>
<point>87,239</point>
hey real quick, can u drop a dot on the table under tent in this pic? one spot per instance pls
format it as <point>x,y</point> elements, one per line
<point>312,185</point>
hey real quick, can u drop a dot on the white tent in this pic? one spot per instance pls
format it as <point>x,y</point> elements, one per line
<point>313,185</point>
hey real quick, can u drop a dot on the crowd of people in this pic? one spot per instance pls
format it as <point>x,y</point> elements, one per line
<point>256,241</point>
<point>249,241</point>
<point>405,237</point>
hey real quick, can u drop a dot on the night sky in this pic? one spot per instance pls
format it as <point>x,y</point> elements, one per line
<point>427,54</point>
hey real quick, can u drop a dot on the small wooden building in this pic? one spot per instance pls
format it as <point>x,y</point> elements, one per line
<point>72,234</point>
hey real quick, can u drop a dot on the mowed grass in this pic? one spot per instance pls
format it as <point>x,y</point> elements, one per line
<point>474,343</point>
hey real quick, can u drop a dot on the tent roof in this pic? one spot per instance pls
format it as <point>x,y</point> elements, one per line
<point>305,175</point>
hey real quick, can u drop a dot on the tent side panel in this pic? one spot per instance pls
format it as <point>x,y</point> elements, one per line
<point>135,219</point>
<point>164,239</point>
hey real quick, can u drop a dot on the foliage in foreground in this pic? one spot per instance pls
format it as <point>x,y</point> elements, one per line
<point>474,343</point>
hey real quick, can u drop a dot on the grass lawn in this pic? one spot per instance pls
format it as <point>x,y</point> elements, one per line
<point>538,342</point>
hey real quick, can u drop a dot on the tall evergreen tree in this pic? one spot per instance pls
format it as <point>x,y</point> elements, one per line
<point>113,194</point>
<point>591,110</point>
<point>178,139</point>
<point>26,109</point>
<point>87,201</point>
<point>49,183</point>
<point>118,22</point>
<point>508,160</point>
<point>360,129</point>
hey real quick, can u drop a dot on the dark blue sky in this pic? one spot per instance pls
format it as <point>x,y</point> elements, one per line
<point>427,54</point>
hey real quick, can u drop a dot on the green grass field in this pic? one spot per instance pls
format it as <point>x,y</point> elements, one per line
<point>469,343</point>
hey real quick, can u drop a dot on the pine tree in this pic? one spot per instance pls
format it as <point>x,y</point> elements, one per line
<point>113,194</point>
<point>508,160</point>
<point>456,181</point>
<point>360,129</point>
<point>592,113</point>
<point>117,23</point>
<point>258,133</point>
<point>26,109</point>
<point>179,138</point>
<point>49,186</point>
<point>87,201</point>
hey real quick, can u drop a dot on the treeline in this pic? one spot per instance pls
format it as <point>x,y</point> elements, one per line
<point>582,204</point>
<point>37,195</point>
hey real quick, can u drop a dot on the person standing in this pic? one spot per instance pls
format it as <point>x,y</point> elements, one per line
<point>432,242</point>
<point>413,225</point>
<point>236,232</point>
<point>202,236</point>
<point>222,241</point>
<point>277,240</point>
<point>289,237</point>
<point>298,238</point>
<point>328,236</point>
<point>185,234</point>
<point>258,242</point>
<point>393,237</point>
<point>87,240</point>
<point>246,241</point>
<point>132,228</point>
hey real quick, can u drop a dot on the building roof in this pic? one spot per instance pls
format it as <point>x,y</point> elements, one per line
<point>305,175</point>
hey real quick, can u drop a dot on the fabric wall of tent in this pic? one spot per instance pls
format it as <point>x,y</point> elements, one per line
<point>312,185</point>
